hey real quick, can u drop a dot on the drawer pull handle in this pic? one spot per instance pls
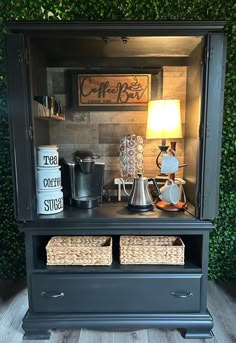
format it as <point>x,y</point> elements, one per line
<point>181,294</point>
<point>52,294</point>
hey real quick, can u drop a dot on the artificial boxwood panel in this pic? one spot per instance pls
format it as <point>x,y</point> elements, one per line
<point>223,239</point>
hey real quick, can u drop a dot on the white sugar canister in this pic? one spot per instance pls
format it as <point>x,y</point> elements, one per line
<point>50,202</point>
<point>47,156</point>
<point>48,178</point>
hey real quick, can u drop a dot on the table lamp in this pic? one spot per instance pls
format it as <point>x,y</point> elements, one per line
<point>164,121</point>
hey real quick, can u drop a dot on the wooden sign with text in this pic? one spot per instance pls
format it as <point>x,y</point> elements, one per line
<point>114,89</point>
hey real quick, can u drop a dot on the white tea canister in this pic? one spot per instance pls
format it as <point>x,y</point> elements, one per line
<point>48,156</point>
<point>48,178</point>
<point>50,202</point>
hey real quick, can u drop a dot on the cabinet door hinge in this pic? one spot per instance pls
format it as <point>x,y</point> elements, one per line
<point>200,131</point>
<point>34,202</point>
<point>199,197</point>
<point>23,56</point>
<point>206,56</point>
<point>26,56</point>
<point>30,133</point>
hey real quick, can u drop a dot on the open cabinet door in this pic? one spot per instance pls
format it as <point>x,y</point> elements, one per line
<point>192,122</point>
<point>203,125</point>
<point>211,128</point>
<point>20,127</point>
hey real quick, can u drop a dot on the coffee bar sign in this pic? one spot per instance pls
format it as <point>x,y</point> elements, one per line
<point>114,89</point>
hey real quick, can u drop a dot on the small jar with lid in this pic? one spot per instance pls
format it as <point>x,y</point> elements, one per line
<point>48,156</point>
<point>50,201</point>
<point>48,178</point>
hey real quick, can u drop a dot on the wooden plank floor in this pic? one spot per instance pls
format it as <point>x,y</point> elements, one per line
<point>221,303</point>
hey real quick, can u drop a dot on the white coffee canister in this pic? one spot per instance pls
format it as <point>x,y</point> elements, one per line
<point>48,156</point>
<point>50,202</point>
<point>48,178</point>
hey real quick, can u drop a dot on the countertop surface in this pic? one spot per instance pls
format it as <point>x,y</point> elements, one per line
<point>116,215</point>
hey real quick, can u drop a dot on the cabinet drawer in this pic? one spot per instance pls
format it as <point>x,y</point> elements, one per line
<point>140,293</point>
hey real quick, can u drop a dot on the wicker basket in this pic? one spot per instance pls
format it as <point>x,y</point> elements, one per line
<point>151,250</point>
<point>79,250</point>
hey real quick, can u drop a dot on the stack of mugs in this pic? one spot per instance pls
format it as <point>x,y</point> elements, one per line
<point>49,194</point>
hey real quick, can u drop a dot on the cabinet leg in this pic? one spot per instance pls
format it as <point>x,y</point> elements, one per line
<point>37,334</point>
<point>198,333</point>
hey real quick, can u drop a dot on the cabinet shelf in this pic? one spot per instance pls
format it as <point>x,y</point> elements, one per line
<point>193,262</point>
<point>42,112</point>
<point>116,267</point>
<point>52,117</point>
<point>115,213</point>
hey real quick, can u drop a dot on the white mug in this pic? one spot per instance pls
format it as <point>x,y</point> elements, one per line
<point>170,193</point>
<point>169,164</point>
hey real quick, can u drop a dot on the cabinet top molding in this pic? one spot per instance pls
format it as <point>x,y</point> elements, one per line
<point>130,27</point>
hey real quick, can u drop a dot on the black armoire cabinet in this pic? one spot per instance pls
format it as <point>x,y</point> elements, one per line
<point>118,296</point>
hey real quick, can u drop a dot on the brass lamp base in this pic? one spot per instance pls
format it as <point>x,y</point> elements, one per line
<point>166,206</point>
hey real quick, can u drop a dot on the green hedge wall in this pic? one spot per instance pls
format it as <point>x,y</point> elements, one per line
<point>223,239</point>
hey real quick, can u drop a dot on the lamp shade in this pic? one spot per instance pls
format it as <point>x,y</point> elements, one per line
<point>164,119</point>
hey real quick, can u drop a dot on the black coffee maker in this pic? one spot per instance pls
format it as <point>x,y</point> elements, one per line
<point>82,179</point>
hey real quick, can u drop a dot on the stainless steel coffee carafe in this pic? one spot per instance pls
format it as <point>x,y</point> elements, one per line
<point>140,198</point>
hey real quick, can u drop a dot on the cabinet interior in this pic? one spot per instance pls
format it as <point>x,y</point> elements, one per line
<point>176,67</point>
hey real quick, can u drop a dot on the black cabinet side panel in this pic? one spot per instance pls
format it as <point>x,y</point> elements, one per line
<point>20,127</point>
